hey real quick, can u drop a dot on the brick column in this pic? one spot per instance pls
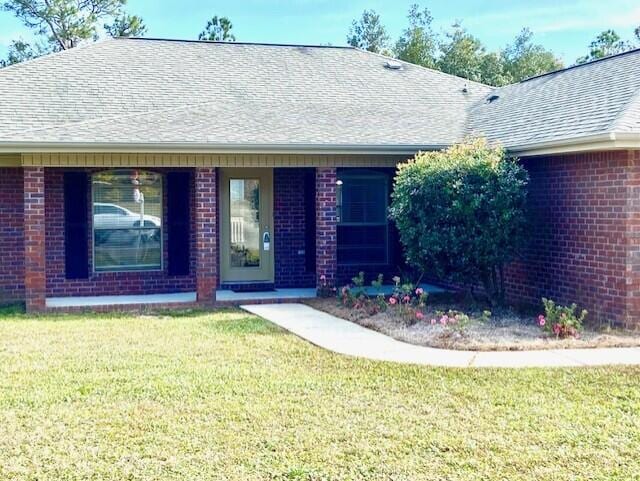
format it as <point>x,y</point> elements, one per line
<point>326,226</point>
<point>206,234</point>
<point>35,279</point>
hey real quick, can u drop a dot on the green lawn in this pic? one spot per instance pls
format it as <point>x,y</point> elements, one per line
<point>227,396</point>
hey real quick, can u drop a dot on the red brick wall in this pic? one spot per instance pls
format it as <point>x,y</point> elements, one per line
<point>11,235</point>
<point>103,283</point>
<point>578,245</point>
<point>633,239</point>
<point>326,221</point>
<point>290,229</point>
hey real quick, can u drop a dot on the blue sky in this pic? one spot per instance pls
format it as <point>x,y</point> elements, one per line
<point>565,27</point>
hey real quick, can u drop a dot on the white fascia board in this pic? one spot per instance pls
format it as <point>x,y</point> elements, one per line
<point>190,148</point>
<point>590,143</point>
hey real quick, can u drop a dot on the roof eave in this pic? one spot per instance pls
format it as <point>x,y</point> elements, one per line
<point>217,148</point>
<point>587,143</point>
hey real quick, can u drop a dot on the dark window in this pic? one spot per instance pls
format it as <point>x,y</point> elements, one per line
<point>127,220</point>
<point>363,228</point>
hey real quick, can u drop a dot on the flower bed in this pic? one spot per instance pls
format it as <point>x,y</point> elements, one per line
<point>449,321</point>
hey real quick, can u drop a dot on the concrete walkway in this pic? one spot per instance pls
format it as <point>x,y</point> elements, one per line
<point>345,337</point>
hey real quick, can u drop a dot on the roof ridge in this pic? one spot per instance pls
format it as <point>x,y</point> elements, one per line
<point>220,42</point>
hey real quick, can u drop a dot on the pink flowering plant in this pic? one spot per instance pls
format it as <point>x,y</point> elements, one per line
<point>409,300</point>
<point>405,299</point>
<point>561,321</point>
<point>453,320</point>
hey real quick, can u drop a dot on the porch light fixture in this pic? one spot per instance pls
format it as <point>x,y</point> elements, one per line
<point>339,182</point>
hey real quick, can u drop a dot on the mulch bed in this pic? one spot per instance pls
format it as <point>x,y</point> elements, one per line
<point>505,330</point>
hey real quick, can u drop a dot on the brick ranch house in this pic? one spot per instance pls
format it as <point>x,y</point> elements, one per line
<point>142,166</point>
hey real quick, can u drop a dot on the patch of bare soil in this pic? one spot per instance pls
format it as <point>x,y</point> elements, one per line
<point>505,330</point>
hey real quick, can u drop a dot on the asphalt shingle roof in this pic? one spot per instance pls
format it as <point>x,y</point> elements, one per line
<point>595,98</point>
<point>158,91</point>
<point>146,91</point>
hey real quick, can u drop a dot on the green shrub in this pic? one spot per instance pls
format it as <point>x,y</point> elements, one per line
<point>461,213</point>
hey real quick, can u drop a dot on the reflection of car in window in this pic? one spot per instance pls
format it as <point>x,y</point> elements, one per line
<point>112,216</point>
<point>111,219</point>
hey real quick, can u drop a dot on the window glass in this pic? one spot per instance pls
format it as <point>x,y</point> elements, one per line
<point>244,210</point>
<point>362,218</point>
<point>364,200</point>
<point>127,220</point>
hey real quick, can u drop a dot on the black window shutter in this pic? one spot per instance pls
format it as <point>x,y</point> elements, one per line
<point>76,233</point>
<point>179,222</point>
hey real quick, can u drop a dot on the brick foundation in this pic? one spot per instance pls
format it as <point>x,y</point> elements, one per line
<point>326,221</point>
<point>11,235</point>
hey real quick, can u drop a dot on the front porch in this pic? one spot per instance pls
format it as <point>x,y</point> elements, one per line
<point>75,259</point>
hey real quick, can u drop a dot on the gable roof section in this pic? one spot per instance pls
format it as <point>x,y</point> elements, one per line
<point>597,100</point>
<point>205,95</point>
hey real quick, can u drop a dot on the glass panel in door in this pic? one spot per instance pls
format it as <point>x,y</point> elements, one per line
<point>244,218</point>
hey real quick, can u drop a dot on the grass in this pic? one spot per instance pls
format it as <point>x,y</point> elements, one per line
<point>226,396</point>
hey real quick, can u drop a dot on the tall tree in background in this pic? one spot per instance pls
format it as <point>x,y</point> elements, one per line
<point>605,44</point>
<point>462,54</point>
<point>492,71</point>
<point>20,51</point>
<point>418,44</point>
<point>218,29</point>
<point>368,33</point>
<point>126,26</point>
<point>458,52</point>
<point>524,59</point>
<point>63,24</point>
